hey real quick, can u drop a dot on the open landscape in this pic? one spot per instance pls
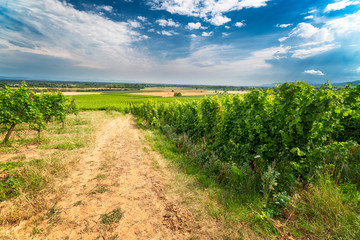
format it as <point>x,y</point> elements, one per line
<point>126,166</point>
<point>179,119</point>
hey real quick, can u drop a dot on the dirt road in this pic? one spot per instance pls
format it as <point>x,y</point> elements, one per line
<point>122,189</point>
<point>115,194</point>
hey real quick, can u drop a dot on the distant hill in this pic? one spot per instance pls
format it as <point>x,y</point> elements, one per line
<point>353,83</point>
<point>339,84</point>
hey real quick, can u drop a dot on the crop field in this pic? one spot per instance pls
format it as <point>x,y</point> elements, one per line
<point>121,101</point>
<point>280,163</point>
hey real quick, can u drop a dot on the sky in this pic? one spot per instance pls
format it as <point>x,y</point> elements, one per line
<point>209,42</point>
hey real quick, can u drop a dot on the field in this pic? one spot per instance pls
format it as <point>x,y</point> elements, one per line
<point>274,164</point>
<point>120,100</point>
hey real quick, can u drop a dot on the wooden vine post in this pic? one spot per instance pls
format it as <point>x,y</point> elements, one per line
<point>67,111</point>
<point>54,108</point>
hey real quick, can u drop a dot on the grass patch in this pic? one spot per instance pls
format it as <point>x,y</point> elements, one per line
<point>112,217</point>
<point>27,185</point>
<point>101,190</point>
<point>323,210</point>
<point>77,203</point>
<point>225,202</point>
<point>327,211</point>
<point>53,215</point>
<point>100,176</point>
<point>115,184</point>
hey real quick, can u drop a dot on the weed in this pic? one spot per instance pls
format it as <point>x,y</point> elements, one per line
<point>104,166</point>
<point>101,190</point>
<point>52,215</point>
<point>35,231</point>
<point>77,203</point>
<point>100,176</point>
<point>112,217</point>
<point>156,164</point>
<point>116,236</point>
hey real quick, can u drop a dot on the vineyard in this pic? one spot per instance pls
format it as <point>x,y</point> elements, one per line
<point>273,143</point>
<point>285,161</point>
<point>23,106</point>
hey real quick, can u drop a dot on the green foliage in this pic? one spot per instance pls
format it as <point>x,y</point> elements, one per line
<point>23,106</point>
<point>10,185</point>
<point>17,106</point>
<point>269,182</point>
<point>291,128</point>
<point>327,211</point>
<point>177,94</point>
<point>112,217</point>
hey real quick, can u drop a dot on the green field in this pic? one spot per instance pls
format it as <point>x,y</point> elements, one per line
<point>120,101</point>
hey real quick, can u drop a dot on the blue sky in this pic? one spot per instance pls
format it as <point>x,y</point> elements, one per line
<point>213,42</point>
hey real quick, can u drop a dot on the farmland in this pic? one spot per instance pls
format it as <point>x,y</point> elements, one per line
<point>121,102</point>
<point>276,163</point>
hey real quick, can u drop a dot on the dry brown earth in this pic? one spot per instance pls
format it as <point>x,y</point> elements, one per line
<point>120,172</point>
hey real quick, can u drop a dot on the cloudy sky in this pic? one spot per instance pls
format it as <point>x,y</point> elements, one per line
<point>216,42</point>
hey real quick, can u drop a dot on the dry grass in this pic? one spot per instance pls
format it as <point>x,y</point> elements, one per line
<point>45,166</point>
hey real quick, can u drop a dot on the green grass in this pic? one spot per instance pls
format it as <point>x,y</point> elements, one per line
<point>101,190</point>
<point>226,202</point>
<point>323,210</point>
<point>118,100</point>
<point>100,176</point>
<point>77,203</point>
<point>112,217</point>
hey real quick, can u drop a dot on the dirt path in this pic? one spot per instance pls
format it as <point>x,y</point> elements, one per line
<point>115,176</point>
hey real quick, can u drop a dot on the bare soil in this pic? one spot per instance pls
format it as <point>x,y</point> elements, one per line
<point>120,172</point>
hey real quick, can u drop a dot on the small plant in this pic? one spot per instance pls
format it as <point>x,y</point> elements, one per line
<point>101,190</point>
<point>35,231</point>
<point>177,94</point>
<point>100,176</point>
<point>279,202</point>
<point>77,203</point>
<point>112,217</point>
<point>269,182</point>
<point>52,215</point>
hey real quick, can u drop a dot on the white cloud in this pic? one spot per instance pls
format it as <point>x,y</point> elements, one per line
<point>312,51</point>
<point>219,20</point>
<point>304,30</point>
<point>307,32</point>
<point>225,34</point>
<point>345,25</point>
<point>284,25</point>
<point>207,34</point>
<point>340,5</point>
<point>134,24</point>
<point>105,8</point>
<point>306,40</point>
<point>193,35</point>
<point>240,24</point>
<point>141,18</point>
<point>227,27</point>
<point>314,72</point>
<point>167,23</point>
<point>358,69</point>
<point>167,33</point>
<point>309,17</point>
<point>197,25</point>
<point>60,31</point>
<point>206,9</point>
